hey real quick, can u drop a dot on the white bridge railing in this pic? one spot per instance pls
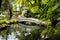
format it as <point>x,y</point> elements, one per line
<point>29,20</point>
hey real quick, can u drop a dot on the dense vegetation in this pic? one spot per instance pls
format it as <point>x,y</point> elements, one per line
<point>45,10</point>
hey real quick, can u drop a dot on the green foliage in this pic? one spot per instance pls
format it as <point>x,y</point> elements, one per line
<point>58,24</point>
<point>40,9</point>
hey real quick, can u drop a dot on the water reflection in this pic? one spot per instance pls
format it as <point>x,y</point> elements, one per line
<point>13,34</point>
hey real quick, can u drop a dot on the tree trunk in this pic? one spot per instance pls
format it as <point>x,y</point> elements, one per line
<point>0,3</point>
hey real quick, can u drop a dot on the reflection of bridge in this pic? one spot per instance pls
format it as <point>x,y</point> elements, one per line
<point>36,21</point>
<point>28,20</point>
<point>27,26</point>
